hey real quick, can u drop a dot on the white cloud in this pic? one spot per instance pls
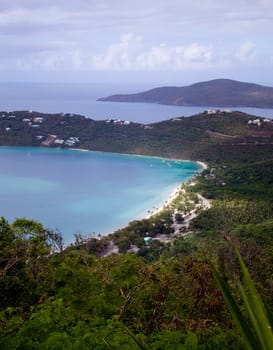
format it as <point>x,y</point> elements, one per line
<point>118,55</point>
<point>246,51</point>
<point>129,54</point>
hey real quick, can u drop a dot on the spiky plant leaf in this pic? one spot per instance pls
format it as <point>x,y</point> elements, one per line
<point>256,309</point>
<point>239,319</point>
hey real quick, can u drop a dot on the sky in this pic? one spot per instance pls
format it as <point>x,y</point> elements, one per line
<point>160,41</point>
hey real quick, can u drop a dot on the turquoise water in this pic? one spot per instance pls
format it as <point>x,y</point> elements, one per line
<point>84,192</point>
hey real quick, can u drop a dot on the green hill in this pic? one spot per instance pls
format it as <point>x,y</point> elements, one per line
<point>222,136</point>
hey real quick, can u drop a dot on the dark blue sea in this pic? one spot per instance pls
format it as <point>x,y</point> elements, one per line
<point>82,99</point>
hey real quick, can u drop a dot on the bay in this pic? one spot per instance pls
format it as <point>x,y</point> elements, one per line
<point>82,98</point>
<point>82,192</point>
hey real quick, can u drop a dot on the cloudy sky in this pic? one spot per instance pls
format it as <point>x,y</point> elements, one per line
<point>166,41</point>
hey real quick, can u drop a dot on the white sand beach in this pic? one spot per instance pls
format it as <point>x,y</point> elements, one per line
<point>173,194</point>
<point>170,198</point>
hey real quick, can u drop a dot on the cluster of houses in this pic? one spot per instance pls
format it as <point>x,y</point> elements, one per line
<point>33,122</point>
<point>255,122</point>
<point>46,140</point>
<point>218,111</point>
<point>54,140</point>
<point>71,141</point>
<point>258,121</point>
<point>9,116</point>
<point>118,121</point>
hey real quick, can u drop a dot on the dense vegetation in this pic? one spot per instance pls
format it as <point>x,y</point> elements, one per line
<point>220,137</point>
<point>162,291</point>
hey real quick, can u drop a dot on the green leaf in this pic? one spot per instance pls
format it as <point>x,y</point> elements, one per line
<point>256,309</point>
<point>106,342</point>
<point>135,339</point>
<point>257,333</point>
<point>239,319</point>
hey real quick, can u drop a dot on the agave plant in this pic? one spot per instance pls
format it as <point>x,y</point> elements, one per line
<point>256,330</point>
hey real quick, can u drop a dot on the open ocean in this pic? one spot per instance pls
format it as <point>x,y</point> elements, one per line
<point>81,99</point>
<point>85,192</point>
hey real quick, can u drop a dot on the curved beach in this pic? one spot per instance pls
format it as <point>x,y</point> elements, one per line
<point>65,190</point>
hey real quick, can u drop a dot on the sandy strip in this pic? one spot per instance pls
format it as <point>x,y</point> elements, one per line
<point>78,149</point>
<point>203,165</point>
<point>172,196</point>
<point>168,201</point>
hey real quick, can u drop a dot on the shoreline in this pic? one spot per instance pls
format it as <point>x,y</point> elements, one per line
<point>157,207</point>
<point>203,164</point>
<point>129,155</point>
<point>168,201</point>
<point>173,195</point>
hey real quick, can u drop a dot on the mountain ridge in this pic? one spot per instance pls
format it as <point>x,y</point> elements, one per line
<point>216,93</point>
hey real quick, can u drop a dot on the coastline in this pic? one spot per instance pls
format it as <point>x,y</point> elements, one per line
<point>173,195</point>
<point>156,209</point>
<point>203,165</point>
<point>130,155</point>
<point>168,201</point>
<point>169,195</point>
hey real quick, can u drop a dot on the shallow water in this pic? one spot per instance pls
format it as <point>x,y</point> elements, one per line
<point>85,192</point>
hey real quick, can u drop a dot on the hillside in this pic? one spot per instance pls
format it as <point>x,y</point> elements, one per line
<point>216,93</point>
<point>194,138</point>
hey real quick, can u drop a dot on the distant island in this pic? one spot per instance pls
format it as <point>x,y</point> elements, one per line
<point>216,93</point>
